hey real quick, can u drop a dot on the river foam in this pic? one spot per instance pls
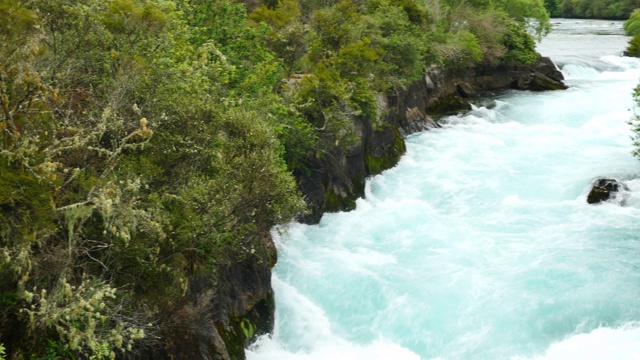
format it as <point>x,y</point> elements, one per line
<point>602,343</point>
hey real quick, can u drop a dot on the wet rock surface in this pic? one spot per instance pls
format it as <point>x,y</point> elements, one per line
<point>604,189</point>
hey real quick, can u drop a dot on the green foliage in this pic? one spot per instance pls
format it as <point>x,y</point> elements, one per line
<point>490,32</point>
<point>415,11</point>
<point>247,328</point>
<point>594,9</point>
<point>521,48</point>
<point>288,34</point>
<point>635,123</point>
<point>403,43</point>
<point>55,350</point>
<point>84,318</point>
<point>284,13</point>
<point>26,203</point>
<point>490,28</point>
<point>376,165</point>
<point>460,50</point>
<point>133,19</point>
<point>632,25</point>
<point>333,28</point>
<point>328,101</point>
<point>9,298</point>
<point>23,23</point>
<point>105,108</point>
<point>221,30</point>
<point>297,136</point>
<point>522,10</point>
<point>634,47</point>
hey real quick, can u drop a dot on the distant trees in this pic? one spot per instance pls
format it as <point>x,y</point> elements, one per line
<point>594,9</point>
<point>632,25</point>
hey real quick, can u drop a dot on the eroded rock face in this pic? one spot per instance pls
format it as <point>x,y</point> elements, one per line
<point>542,75</point>
<point>334,182</point>
<point>218,319</point>
<point>604,189</point>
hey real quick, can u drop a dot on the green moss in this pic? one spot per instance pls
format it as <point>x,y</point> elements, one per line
<point>242,331</point>
<point>447,105</point>
<point>553,86</point>
<point>399,145</point>
<point>234,340</point>
<point>334,202</point>
<point>375,165</point>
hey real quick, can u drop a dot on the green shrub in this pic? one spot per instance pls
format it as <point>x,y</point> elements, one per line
<point>520,45</point>
<point>632,25</point>
<point>634,47</point>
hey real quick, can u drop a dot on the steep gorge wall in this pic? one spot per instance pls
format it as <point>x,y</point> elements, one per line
<point>336,181</point>
<point>217,321</point>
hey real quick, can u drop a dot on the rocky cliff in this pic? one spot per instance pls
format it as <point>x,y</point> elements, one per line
<point>337,180</point>
<point>217,321</point>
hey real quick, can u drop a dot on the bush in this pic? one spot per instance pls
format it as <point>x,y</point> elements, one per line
<point>635,123</point>
<point>520,45</point>
<point>634,47</point>
<point>632,25</point>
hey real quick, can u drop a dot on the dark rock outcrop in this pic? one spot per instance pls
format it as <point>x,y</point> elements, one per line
<point>218,320</point>
<point>334,182</point>
<point>604,189</point>
<point>447,91</point>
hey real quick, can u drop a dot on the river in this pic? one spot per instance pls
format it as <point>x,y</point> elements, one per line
<point>479,244</point>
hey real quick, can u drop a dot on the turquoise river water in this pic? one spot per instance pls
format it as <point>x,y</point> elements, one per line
<point>480,243</point>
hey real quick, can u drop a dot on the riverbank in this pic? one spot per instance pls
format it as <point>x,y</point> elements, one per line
<point>333,183</point>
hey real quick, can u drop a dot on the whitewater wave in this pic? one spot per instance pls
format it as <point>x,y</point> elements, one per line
<point>336,350</point>
<point>603,343</point>
<point>621,343</point>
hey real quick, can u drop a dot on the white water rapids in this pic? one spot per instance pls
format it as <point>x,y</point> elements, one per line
<point>480,243</point>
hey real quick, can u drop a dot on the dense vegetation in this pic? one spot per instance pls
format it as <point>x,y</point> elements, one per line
<point>592,9</point>
<point>632,28</point>
<point>143,142</point>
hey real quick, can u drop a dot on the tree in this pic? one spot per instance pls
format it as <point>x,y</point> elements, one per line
<point>632,25</point>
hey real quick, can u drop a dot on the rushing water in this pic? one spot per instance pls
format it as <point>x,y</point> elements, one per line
<point>480,243</point>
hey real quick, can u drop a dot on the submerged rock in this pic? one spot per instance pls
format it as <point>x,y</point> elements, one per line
<point>604,189</point>
<point>540,76</point>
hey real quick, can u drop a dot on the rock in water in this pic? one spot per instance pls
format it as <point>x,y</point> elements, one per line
<point>539,76</point>
<point>604,189</point>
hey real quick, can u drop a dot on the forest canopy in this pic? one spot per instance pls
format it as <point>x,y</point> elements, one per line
<point>145,142</point>
<point>592,9</point>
